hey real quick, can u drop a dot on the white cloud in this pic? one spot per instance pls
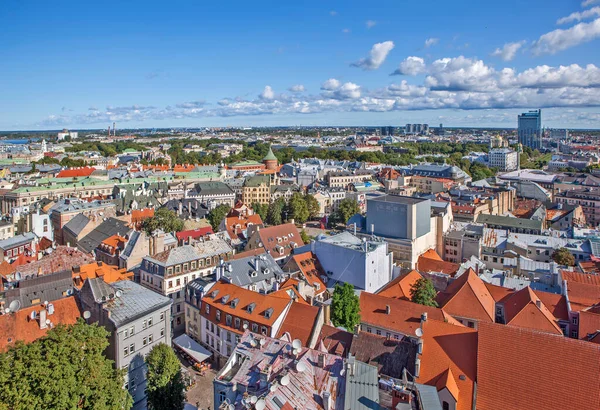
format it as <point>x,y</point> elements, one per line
<point>508,51</point>
<point>267,93</point>
<point>559,77</point>
<point>559,39</point>
<point>411,66</point>
<point>432,41</point>
<point>579,15</point>
<point>587,3</point>
<point>333,13</point>
<point>377,56</point>
<point>330,84</point>
<point>346,30</point>
<point>460,74</point>
<point>298,88</point>
<point>371,23</point>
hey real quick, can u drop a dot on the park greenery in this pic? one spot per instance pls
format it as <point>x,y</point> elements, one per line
<point>345,307</point>
<point>66,369</point>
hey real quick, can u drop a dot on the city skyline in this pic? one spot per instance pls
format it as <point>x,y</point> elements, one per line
<point>152,65</point>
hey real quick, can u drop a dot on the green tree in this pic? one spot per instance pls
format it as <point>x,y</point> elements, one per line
<point>165,385</point>
<point>313,206</point>
<point>346,209</point>
<point>274,212</point>
<point>423,292</point>
<point>345,307</point>
<point>305,238</point>
<point>216,216</point>
<point>163,219</point>
<point>66,369</point>
<point>261,210</point>
<point>563,256</point>
<point>297,208</point>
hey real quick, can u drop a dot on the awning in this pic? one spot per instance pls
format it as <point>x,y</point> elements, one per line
<point>192,348</point>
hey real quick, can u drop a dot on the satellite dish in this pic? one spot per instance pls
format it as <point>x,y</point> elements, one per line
<point>285,380</point>
<point>119,293</point>
<point>296,351</point>
<point>253,399</point>
<point>87,314</point>
<point>47,321</point>
<point>301,367</point>
<point>45,303</point>
<point>297,344</point>
<point>245,326</point>
<point>7,310</point>
<point>14,306</point>
<point>252,342</point>
<point>230,407</point>
<point>419,332</point>
<point>262,342</point>
<point>273,388</point>
<point>260,405</point>
<point>33,315</point>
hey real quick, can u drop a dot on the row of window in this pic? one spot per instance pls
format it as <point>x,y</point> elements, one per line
<point>129,332</point>
<point>128,350</point>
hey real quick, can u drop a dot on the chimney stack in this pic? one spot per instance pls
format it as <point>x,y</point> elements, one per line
<point>423,317</point>
<point>388,309</point>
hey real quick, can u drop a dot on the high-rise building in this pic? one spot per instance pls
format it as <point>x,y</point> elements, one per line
<point>530,129</point>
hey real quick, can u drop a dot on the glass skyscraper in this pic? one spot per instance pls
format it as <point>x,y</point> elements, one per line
<point>530,129</point>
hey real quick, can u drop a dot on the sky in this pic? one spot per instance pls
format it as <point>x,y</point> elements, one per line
<point>87,64</point>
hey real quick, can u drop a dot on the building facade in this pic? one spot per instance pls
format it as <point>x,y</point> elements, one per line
<point>530,129</point>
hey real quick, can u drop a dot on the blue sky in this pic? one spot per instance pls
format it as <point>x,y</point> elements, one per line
<point>83,64</point>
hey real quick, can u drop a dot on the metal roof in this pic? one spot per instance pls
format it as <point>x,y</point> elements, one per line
<point>362,386</point>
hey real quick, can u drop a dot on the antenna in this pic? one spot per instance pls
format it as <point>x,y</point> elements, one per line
<point>297,344</point>
<point>285,380</point>
<point>301,367</point>
<point>87,314</point>
<point>419,332</point>
<point>14,306</point>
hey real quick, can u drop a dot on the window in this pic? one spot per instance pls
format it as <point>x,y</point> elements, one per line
<point>150,338</point>
<point>144,324</point>
<point>207,309</point>
<point>228,320</point>
<point>574,334</point>
<point>178,308</point>
<point>445,405</point>
<point>162,316</point>
<point>131,348</point>
<point>369,330</point>
<point>178,283</point>
<point>126,334</point>
<point>228,337</point>
<point>145,341</point>
<point>131,331</point>
<point>574,320</point>
<point>162,332</point>
<point>125,351</point>
<point>218,315</point>
<point>237,322</point>
<point>378,332</point>
<point>222,396</point>
<point>254,327</point>
<point>193,266</point>
<point>149,322</point>
<point>471,324</point>
<point>170,284</point>
<point>264,330</point>
<point>178,269</point>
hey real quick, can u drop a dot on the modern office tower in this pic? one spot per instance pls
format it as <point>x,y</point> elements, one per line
<point>530,129</point>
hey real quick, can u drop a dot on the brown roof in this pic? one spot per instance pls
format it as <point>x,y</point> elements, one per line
<point>589,325</point>
<point>236,225</point>
<point>404,317</point>
<point>311,269</point>
<point>446,346</point>
<point>18,326</point>
<point>61,258</point>
<point>335,341</point>
<point>583,289</point>
<point>430,261</point>
<point>468,297</point>
<point>581,278</point>
<point>525,309</point>
<point>399,288</point>
<point>447,381</point>
<point>279,237</point>
<point>299,322</point>
<point>245,254</point>
<point>389,355</point>
<point>525,369</point>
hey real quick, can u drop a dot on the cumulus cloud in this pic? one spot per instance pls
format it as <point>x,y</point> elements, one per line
<point>587,3</point>
<point>377,56</point>
<point>330,84</point>
<point>346,30</point>
<point>410,66</point>
<point>191,104</point>
<point>460,74</point>
<point>559,39</point>
<point>508,51</point>
<point>579,15</point>
<point>298,88</point>
<point>370,23</point>
<point>333,13</point>
<point>432,41</point>
<point>267,93</point>
<point>334,89</point>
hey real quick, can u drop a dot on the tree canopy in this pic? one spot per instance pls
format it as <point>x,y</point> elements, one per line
<point>66,369</point>
<point>313,206</point>
<point>423,292</point>
<point>216,216</point>
<point>346,209</point>
<point>163,219</point>
<point>345,307</point>
<point>261,210</point>
<point>164,381</point>
<point>297,208</point>
<point>563,256</point>
<point>275,211</point>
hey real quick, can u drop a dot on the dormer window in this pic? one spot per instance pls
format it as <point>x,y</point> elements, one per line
<point>269,313</point>
<point>224,299</point>
<point>214,293</point>
<point>251,307</point>
<point>234,303</point>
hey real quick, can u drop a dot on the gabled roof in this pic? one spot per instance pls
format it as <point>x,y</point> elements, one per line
<point>446,346</point>
<point>76,172</point>
<point>280,237</point>
<point>194,233</point>
<point>300,322</point>
<point>589,326</point>
<point>525,309</point>
<point>335,341</point>
<point>468,297</point>
<point>447,381</point>
<point>399,288</point>
<point>311,269</point>
<point>430,261</point>
<point>237,225</point>
<point>525,369</point>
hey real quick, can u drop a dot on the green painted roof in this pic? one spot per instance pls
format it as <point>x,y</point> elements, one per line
<point>247,162</point>
<point>270,156</point>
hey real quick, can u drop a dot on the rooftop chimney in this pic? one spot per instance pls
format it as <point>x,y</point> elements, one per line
<point>322,361</point>
<point>388,309</point>
<point>424,317</point>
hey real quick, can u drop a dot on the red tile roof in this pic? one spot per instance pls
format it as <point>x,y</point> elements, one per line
<point>299,322</point>
<point>399,288</point>
<point>76,172</point>
<point>468,297</point>
<point>524,369</point>
<point>446,346</point>
<point>311,269</point>
<point>280,238</point>
<point>583,289</point>
<point>236,225</point>
<point>18,326</point>
<point>404,317</point>
<point>194,233</point>
<point>589,326</point>
<point>139,215</point>
<point>430,261</point>
<point>525,309</point>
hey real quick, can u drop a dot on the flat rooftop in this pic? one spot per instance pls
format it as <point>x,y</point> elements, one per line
<point>398,199</point>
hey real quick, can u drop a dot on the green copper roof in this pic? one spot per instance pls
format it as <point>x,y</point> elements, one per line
<point>270,156</point>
